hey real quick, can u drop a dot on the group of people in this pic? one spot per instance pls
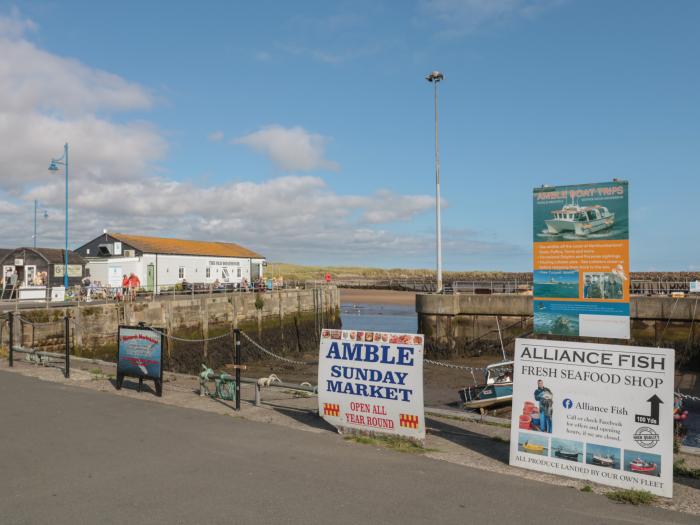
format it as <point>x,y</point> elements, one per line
<point>602,286</point>
<point>130,285</point>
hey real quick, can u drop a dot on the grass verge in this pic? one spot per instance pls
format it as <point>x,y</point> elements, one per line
<point>634,497</point>
<point>681,469</point>
<point>390,442</point>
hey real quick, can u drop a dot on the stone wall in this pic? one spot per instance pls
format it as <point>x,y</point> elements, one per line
<point>468,324</point>
<point>287,322</point>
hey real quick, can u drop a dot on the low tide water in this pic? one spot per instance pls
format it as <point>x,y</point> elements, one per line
<point>379,317</point>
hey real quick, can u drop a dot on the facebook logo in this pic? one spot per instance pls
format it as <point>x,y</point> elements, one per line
<point>567,403</point>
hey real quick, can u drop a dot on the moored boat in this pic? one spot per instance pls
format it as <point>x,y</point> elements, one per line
<point>497,388</point>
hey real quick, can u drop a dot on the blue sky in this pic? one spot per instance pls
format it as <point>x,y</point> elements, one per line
<point>305,130</point>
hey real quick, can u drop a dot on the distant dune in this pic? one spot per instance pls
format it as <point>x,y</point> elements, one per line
<point>296,272</point>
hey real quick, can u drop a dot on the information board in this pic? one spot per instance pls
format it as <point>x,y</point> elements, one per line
<point>140,355</point>
<point>581,260</point>
<point>598,412</point>
<point>372,382</point>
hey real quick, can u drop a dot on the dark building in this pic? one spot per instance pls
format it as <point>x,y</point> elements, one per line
<point>41,266</point>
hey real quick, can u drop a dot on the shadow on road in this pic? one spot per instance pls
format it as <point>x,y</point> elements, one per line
<point>492,447</point>
<point>304,416</point>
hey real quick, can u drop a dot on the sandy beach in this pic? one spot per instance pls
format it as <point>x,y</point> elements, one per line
<point>358,296</point>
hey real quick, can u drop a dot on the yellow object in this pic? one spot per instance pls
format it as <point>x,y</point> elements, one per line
<point>533,448</point>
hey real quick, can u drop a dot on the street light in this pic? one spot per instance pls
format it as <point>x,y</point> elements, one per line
<point>54,167</point>
<point>46,216</point>
<point>435,77</point>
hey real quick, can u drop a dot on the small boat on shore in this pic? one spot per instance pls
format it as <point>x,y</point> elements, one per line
<point>645,467</point>
<point>602,460</point>
<point>531,447</point>
<point>497,388</point>
<point>571,455</point>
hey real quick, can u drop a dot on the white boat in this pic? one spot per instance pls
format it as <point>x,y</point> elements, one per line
<point>580,220</point>
<point>603,460</point>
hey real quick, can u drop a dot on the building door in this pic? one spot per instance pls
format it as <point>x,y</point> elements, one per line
<point>150,277</point>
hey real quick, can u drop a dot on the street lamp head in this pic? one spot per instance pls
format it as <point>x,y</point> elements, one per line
<point>53,166</point>
<point>435,76</point>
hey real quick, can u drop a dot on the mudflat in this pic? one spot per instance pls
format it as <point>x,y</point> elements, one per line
<point>361,296</point>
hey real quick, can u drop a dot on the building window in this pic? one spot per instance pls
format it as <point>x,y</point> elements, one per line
<point>181,272</point>
<point>208,272</point>
<point>87,251</point>
<point>239,273</point>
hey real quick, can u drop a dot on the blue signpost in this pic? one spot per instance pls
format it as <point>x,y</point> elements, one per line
<point>140,355</point>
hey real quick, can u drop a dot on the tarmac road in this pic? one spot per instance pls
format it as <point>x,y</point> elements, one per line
<point>76,456</point>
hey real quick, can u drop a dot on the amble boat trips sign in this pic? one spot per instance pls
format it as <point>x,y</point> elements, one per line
<point>581,260</point>
<point>603,413</point>
<point>372,382</point>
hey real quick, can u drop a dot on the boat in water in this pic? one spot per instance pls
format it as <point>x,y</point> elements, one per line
<point>497,388</point>
<point>530,447</point>
<point>571,455</point>
<point>645,467</point>
<point>603,460</point>
<point>580,220</point>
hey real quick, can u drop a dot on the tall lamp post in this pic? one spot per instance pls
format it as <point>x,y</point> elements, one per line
<point>54,167</point>
<point>46,215</point>
<point>435,77</point>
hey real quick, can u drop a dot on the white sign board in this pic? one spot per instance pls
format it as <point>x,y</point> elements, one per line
<point>114,276</point>
<point>694,286</point>
<point>603,413</point>
<point>372,382</point>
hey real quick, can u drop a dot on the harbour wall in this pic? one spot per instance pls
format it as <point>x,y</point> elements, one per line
<point>466,325</point>
<point>287,322</point>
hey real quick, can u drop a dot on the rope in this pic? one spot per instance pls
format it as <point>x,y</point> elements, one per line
<point>451,365</point>
<point>687,396</point>
<point>181,339</point>
<point>661,337</point>
<point>277,356</point>
<point>24,320</point>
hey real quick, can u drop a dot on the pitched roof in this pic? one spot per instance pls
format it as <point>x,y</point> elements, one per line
<point>51,255</point>
<point>163,245</point>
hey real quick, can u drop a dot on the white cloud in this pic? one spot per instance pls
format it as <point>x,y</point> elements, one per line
<point>464,16</point>
<point>216,136</point>
<point>14,26</point>
<point>114,181</point>
<point>291,149</point>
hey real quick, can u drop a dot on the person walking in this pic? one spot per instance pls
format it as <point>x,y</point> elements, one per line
<point>125,287</point>
<point>134,284</point>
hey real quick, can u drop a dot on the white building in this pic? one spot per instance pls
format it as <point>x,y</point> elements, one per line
<point>160,262</point>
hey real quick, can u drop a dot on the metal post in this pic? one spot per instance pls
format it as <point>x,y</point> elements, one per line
<point>437,196</point>
<point>11,334</point>
<point>237,342</point>
<point>65,269</point>
<point>67,330</point>
<point>35,205</point>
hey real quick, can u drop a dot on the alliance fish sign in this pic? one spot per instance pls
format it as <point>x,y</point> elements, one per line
<point>372,382</point>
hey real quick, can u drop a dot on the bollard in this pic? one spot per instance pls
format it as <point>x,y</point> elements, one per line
<point>257,394</point>
<point>67,330</point>
<point>11,332</point>
<point>237,342</point>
